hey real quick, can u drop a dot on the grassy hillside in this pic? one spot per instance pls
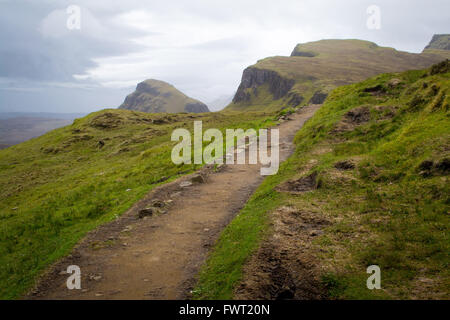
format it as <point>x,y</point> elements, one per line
<point>57,187</point>
<point>155,96</point>
<point>377,155</point>
<point>319,67</point>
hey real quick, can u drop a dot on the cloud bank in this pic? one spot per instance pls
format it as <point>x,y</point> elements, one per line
<point>200,46</point>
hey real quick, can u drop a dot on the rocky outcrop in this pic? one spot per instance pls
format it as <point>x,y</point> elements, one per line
<point>440,42</point>
<point>318,98</point>
<point>154,96</point>
<point>303,54</point>
<point>295,99</point>
<point>196,108</point>
<point>253,78</point>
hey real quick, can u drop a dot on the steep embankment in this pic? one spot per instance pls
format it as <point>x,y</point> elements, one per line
<point>315,68</point>
<point>367,185</point>
<point>57,187</point>
<point>154,96</point>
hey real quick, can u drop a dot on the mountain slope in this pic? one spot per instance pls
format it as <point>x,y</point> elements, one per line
<point>440,42</point>
<point>59,186</point>
<point>154,96</point>
<point>315,68</point>
<point>367,185</point>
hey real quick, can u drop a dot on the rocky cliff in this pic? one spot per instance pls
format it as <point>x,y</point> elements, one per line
<point>316,68</point>
<point>440,42</point>
<point>155,96</point>
<point>252,78</point>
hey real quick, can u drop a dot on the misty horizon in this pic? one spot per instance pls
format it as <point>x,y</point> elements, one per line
<point>201,49</point>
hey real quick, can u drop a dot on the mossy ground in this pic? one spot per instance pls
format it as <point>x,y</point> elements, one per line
<point>391,210</point>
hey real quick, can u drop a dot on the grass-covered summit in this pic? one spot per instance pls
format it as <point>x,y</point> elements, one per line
<point>315,68</point>
<point>155,96</point>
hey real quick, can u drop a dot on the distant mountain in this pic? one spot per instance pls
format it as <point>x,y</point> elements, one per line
<point>155,96</point>
<point>440,42</point>
<point>315,68</point>
<point>221,102</point>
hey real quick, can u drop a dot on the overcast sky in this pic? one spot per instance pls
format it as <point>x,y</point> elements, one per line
<point>200,46</point>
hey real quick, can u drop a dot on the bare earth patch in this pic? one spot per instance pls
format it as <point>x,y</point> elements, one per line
<point>285,267</point>
<point>301,185</point>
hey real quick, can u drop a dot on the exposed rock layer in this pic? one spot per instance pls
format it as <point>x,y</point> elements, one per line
<point>439,41</point>
<point>254,77</point>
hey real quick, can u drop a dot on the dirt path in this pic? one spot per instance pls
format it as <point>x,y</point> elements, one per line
<point>158,257</point>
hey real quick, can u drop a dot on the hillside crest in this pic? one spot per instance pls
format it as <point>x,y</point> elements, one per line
<point>156,96</point>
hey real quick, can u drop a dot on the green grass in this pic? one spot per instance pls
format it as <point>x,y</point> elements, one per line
<point>385,212</point>
<point>57,187</point>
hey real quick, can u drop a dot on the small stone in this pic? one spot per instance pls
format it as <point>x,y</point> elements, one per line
<point>128,190</point>
<point>95,277</point>
<point>15,208</point>
<point>147,212</point>
<point>198,178</point>
<point>158,203</point>
<point>99,294</point>
<point>426,280</point>
<point>127,228</point>
<point>394,82</point>
<point>185,184</point>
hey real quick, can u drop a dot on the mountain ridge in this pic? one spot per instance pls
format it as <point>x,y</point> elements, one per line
<point>315,68</point>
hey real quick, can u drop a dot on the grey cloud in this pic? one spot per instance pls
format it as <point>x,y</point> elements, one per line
<point>29,54</point>
<point>39,56</point>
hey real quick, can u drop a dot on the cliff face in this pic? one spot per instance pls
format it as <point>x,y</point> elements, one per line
<point>197,107</point>
<point>252,78</point>
<point>440,42</point>
<point>154,96</point>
